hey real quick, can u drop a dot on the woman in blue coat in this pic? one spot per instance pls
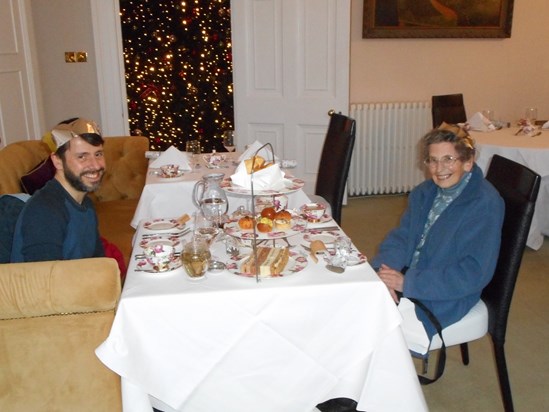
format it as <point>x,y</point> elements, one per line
<point>445,249</point>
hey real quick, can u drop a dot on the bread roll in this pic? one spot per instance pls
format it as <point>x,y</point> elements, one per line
<point>257,164</point>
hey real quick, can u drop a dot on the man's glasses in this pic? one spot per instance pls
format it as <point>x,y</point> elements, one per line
<point>445,161</point>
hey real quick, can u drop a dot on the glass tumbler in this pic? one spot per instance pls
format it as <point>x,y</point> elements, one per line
<point>531,115</point>
<point>195,257</point>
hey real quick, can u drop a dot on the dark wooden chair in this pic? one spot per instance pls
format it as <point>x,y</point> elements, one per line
<point>519,187</point>
<point>335,162</point>
<point>448,108</point>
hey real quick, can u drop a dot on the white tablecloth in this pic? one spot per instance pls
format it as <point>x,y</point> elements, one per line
<point>532,152</point>
<point>227,343</point>
<point>173,197</point>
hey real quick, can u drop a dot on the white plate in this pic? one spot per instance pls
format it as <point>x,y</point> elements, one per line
<point>163,224</point>
<point>159,240</point>
<point>296,263</point>
<point>328,237</point>
<point>297,226</point>
<point>143,266</point>
<point>292,185</point>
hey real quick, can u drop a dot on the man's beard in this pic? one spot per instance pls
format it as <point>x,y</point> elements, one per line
<point>76,180</point>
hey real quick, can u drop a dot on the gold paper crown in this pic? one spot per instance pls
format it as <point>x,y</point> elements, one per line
<point>64,132</point>
<point>460,132</point>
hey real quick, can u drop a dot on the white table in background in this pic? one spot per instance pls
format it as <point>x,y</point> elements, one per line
<point>227,343</point>
<point>173,197</point>
<point>532,152</point>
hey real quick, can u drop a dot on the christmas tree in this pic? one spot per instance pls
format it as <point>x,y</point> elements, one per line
<point>178,65</point>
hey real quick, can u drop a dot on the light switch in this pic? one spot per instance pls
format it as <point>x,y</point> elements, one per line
<point>76,57</point>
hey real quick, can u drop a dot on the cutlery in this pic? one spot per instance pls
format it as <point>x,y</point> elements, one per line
<point>142,255</point>
<point>323,229</point>
<point>166,234</point>
<point>536,134</point>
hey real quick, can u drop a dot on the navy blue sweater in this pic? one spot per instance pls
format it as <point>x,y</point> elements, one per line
<point>53,226</point>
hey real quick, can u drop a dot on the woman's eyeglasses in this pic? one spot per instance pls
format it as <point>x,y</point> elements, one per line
<point>445,161</point>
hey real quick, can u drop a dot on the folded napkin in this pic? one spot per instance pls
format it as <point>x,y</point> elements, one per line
<point>480,123</point>
<point>253,148</point>
<point>172,156</point>
<point>545,125</point>
<point>270,178</point>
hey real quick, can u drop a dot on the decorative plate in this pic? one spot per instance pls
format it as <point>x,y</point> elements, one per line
<point>297,226</point>
<point>177,175</point>
<point>324,219</point>
<point>144,266</point>
<point>296,263</point>
<point>163,224</point>
<point>328,237</point>
<point>159,240</point>
<point>291,185</point>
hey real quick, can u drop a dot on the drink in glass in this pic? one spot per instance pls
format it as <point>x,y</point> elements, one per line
<point>228,140</point>
<point>195,257</point>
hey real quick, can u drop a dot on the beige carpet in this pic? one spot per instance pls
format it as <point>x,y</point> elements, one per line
<point>475,387</point>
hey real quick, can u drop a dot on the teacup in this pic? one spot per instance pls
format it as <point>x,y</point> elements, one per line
<point>169,170</point>
<point>214,159</point>
<point>313,211</point>
<point>160,256</point>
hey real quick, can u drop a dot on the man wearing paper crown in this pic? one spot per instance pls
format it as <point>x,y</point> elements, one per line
<point>59,221</point>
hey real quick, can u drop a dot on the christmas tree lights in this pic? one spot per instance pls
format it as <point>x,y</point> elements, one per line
<point>178,65</point>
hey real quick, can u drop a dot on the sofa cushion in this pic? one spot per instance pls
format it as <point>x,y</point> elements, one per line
<point>126,169</point>
<point>53,315</point>
<point>38,176</point>
<point>17,159</point>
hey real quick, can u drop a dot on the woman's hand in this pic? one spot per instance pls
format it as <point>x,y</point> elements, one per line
<point>393,279</point>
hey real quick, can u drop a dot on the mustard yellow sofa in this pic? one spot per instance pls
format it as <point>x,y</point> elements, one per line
<point>52,317</point>
<point>115,200</point>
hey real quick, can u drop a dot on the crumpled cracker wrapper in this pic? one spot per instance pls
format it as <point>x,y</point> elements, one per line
<point>317,246</point>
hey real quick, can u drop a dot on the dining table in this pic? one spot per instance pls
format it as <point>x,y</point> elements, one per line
<point>173,196</point>
<point>232,342</point>
<point>530,150</point>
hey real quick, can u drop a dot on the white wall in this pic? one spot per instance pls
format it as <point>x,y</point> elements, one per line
<point>68,89</point>
<point>506,75</point>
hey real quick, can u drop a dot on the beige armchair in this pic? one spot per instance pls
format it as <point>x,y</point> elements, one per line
<point>52,317</point>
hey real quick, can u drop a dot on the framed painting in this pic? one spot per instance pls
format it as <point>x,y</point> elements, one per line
<point>437,18</point>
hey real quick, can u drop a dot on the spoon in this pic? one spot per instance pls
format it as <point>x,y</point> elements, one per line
<point>216,266</point>
<point>336,269</point>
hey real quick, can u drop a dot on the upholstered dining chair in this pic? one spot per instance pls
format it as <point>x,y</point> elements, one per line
<point>518,186</point>
<point>335,162</point>
<point>448,108</point>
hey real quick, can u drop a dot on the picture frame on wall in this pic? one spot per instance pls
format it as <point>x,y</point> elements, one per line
<point>437,18</point>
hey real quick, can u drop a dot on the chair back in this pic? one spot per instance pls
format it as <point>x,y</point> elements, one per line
<point>448,108</point>
<point>335,161</point>
<point>519,187</point>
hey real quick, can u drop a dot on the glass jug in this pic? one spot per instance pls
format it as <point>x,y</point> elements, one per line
<point>209,197</point>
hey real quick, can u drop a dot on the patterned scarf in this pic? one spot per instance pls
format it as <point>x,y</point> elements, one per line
<point>442,200</point>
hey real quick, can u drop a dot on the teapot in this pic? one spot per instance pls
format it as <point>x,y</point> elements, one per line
<point>209,197</point>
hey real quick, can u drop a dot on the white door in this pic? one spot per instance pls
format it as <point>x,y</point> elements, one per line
<point>19,118</point>
<point>290,67</point>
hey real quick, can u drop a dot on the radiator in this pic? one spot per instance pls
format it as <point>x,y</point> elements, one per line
<point>385,158</point>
